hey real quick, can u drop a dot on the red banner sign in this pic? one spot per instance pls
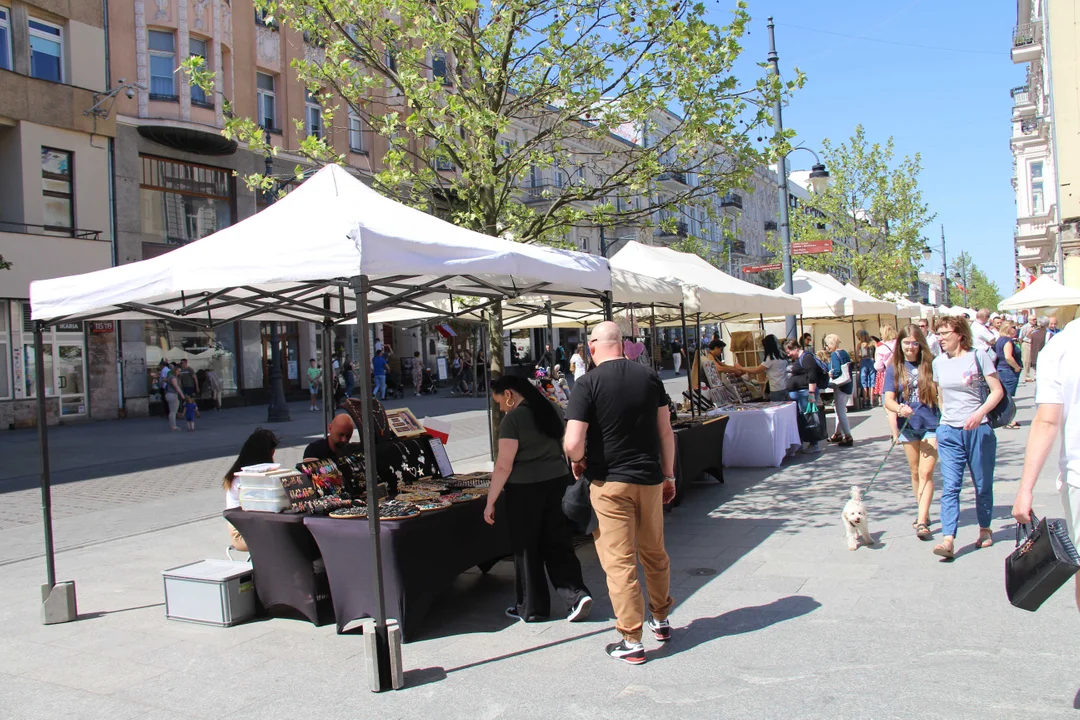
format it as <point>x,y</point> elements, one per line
<point>751,269</point>
<point>814,247</point>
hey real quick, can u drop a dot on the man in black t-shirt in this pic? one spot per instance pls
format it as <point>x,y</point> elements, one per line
<point>327,448</point>
<point>619,436</point>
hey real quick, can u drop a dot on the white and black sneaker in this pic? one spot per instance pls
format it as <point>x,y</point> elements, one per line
<point>628,652</point>
<point>661,629</point>
<point>512,612</point>
<point>581,610</point>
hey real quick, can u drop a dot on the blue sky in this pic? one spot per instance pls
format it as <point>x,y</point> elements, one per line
<point>952,107</point>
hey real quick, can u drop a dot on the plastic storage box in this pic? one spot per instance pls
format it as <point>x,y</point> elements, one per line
<point>264,499</point>
<point>212,592</point>
<point>270,479</point>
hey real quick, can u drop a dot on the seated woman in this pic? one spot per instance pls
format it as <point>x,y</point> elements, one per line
<point>716,352</point>
<point>257,449</point>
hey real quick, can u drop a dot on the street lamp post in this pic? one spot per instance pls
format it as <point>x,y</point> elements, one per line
<point>278,409</point>
<point>927,252</point>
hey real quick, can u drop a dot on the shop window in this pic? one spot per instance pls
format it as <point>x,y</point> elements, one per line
<point>312,115</point>
<point>198,48</point>
<point>64,366</point>
<point>57,191</point>
<point>356,133</point>
<point>267,102</point>
<point>5,39</point>
<point>46,51</point>
<point>162,65</point>
<point>181,202</point>
<point>205,350</point>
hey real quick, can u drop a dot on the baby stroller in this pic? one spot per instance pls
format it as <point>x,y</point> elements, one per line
<point>427,385</point>
<point>394,388</point>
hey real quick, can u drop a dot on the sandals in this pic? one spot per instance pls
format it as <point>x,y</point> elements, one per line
<point>986,539</point>
<point>945,551</point>
<point>922,531</point>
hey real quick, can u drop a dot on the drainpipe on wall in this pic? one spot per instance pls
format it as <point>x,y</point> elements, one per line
<point>1059,258</point>
<point>117,331</point>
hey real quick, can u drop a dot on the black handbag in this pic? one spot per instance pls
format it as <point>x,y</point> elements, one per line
<point>1001,414</point>
<point>1041,564</point>
<point>811,422</point>
<point>577,506</point>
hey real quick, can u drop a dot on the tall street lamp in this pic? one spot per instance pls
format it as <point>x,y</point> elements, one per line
<point>961,276</point>
<point>927,253</point>
<point>278,409</point>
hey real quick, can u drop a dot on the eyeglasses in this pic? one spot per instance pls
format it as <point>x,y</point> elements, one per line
<point>944,333</point>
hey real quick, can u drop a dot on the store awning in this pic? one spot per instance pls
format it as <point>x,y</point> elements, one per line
<point>1045,292</point>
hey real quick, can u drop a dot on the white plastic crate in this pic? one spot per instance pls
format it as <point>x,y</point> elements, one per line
<point>212,592</point>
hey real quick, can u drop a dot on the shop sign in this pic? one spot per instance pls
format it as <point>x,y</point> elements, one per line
<point>814,247</point>
<point>443,368</point>
<point>101,326</point>
<point>751,269</point>
<point>69,327</point>
<point>1048,269</point>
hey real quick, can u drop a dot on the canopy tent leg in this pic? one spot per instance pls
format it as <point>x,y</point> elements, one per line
<point>609,313</point>
<point>761,321</point>
<point>487,379</point>
<point>856,397</point>
<point>802,328</point>
<point>57,600</point>
<point>654,352</point>
<point>380,663</point>
<point>550,336</point>
<point>689,362</point>
<point>327,378</point>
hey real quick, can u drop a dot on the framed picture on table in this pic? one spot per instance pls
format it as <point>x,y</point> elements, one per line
<point>403,423</point>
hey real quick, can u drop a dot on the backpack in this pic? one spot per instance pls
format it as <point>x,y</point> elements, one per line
<point>826,371</point>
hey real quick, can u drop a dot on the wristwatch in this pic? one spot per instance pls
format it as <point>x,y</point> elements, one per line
<point>669,479</point>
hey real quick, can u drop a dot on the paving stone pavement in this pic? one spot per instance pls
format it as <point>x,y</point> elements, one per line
<point>790,624</point>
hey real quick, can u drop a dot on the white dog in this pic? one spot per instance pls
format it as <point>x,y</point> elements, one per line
<point>855,521</point>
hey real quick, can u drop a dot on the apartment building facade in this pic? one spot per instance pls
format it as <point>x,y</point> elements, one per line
<point>1063,41</point>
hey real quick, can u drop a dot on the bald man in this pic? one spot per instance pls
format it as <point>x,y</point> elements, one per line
<point>619,436</point>
<point>327,448</point>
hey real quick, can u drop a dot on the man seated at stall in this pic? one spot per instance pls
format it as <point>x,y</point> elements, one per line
<point>337,440</point>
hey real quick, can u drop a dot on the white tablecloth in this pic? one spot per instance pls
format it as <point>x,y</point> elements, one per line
<point>760,437</point>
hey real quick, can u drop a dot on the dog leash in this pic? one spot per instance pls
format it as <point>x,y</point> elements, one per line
<point>885,459</point>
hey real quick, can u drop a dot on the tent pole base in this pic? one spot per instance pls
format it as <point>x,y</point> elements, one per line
<point>383,662</point>
<point>58,603</point>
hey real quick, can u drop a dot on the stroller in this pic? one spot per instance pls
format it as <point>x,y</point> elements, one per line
<point>394,388</point>
<point>427,385</point>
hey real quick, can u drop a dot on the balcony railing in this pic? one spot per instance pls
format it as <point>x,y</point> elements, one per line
<point>731,200</point>
<point>674,175</point>
<point>1027,34</point>
<point>1030,125</point>
<point>50,230</point>
<point>1020,95</point>
<point>739,246</point>
<point>681,229</point>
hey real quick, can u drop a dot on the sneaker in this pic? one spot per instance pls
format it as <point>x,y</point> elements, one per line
<point>628,652</point>
<point>581,610</point>
<point>512,612</point>
<point>814,448</point>
<point>661,629</point>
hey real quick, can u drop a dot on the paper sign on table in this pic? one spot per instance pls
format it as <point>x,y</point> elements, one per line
<point>437,428</point>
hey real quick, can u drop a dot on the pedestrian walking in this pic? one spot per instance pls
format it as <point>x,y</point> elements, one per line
<point>965,438</point>
<point>531,471</point>
<point>1025,344</point>
<point>932,340</point>
<point>314,375</point>
<point>838,360</point>
<point>911,393</point>
<point>803,377</point>
<point>867,375</point>
<point>191,411</point>
<point>417,373</point>
<point>883,355</point>
<point>1057,418</point>
<point>577,362</point>
<point>189,382</point>
<point>1051,327</point>
<point>172,393</point>
<point>1008,362</point>
<point>982,337</point>
<point>619,436</point>
<point>257,449</point>
<point>807,342</point>
<point>350,377</point>
<point>378,366</point>
<point>775,367</point>
<point>676,355</point>
<point>213,380</point>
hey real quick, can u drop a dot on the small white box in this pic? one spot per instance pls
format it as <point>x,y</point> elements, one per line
<point>212,592</point>
<point>264,499</point>
<point>271,479</point>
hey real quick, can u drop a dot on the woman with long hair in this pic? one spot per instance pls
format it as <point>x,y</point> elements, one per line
<point>867,375</point>
<point>882,359</point>
<point>802,386</point>
<point>1008,363</point>
<point>257,449</point>
<point>532,471</point>
<point>911,393</point>
<point>965,438</point>
<point>775,367</point>
<point>838,360</point>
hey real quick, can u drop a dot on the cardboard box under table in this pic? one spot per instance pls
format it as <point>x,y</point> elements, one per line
<point>214,592</point>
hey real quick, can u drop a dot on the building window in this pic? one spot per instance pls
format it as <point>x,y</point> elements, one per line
<point>64,364</point>
<point>5,39</point>
<point>261,18</point>
<point>356,133</point>
<point>57,191</point>
<point>267,100</point>
<point>438,67</point>
<point>391,60</point>
<point>162,65</point>
<point>1037,199</point>
<point>204,350</point>
<point>46,51</point>
<point>181,202</point>
<point>312,115</point>
<point>198,48</point>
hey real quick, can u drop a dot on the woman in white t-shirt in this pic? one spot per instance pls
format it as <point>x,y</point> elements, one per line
<point>257,449</point>
<point>577,362</point>
<point>775,368</point>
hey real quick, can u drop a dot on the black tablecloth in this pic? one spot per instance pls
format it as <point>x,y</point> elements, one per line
<point>284,556</point>
<point>699,448</point>
<point>421,557</point>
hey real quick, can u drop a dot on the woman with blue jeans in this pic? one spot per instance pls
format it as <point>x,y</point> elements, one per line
<point>867,377</point>
<point>838,360</point>
<point>802,386</point>
<point>965,438</point>
<point>1008,363</point>
<point>911,393</point>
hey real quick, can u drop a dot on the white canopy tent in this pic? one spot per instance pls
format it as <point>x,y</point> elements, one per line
<point>333,248</point>
<point>1045,292</point>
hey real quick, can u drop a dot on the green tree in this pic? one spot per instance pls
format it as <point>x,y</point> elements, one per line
<point>4,264</point>
<point>874,202</point>
<point>982,292</point>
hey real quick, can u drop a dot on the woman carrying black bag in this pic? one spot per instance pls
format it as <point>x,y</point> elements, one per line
<point>804,374</point>
<point>533,470</point>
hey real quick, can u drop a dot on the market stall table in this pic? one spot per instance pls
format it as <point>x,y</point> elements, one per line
<point>286,560</point>
<point>760,436</point>
<point>422,557</point>
<point>699,449</point>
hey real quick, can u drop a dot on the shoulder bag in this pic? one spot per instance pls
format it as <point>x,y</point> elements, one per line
<point>844,378</point>
<point>1001,414</point>
<point>1041,564</point>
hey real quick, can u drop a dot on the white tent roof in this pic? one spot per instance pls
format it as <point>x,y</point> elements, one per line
<point>299,256</point>
<point>706,289</point>
<point>886,307</point>
<point>824,296</point>
<point>1045,292</point>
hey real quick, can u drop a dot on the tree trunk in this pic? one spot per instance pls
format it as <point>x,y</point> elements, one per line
<point>495,358</point>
